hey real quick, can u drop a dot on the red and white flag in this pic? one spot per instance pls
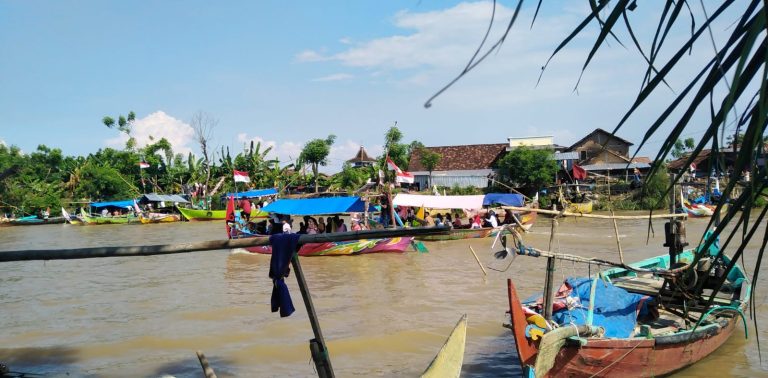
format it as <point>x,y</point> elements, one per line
<point>401,176</point>
<point>241,176</point>
<point>143,164</point>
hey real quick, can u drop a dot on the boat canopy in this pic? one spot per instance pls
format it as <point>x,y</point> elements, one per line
<point>504,199</point>
<point>121,204</point>
<point>154,197</point>
<point>255,193</point>
<point>439,202</point>
<point>317,206</point>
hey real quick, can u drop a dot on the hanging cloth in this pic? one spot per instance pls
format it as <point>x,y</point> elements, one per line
<point>283,248</point>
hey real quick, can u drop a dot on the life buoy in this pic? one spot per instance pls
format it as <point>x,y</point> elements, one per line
<point>209,214</point>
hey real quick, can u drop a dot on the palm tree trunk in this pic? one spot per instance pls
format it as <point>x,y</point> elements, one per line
<point>314,171</point>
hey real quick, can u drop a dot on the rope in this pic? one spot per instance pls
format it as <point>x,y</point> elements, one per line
<point>619,359</point>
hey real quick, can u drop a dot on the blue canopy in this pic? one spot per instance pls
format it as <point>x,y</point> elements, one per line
<point>504,199</point>
<point>317,206</point>
<point>255,193</point>
<point>122,204</point>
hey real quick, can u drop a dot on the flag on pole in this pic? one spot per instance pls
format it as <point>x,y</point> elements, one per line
<point>241,176</point>
<point>401,176</point>
<point>143,165</point>
<point>579,173</point>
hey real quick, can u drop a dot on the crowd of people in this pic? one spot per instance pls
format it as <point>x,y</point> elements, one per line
<point>453,219</point>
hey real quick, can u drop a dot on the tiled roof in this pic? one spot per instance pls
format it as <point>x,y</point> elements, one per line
<point>462,158</point>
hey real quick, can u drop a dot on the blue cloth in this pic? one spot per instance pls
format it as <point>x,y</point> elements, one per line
<point>504,199</point>
<point>317,206</point>
<point>283,248</point>
<point>615,309</point>
<point>123,204</point>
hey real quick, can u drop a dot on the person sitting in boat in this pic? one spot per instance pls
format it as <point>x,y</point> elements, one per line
<point>104,212</point>
<point>302,228</point>
<point>457,222</point>
<point>428,220</point>
<point>320,225</point>
<point>341,226</point>
<point>245,213</point>
<point>448,220</point>
<point>476,221</point>
<point>286,226</point>
<point>356,225</point>
<point>439,220</point>
<point>311,226</point>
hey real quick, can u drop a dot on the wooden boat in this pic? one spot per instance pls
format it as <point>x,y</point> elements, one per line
<point>658,345</point>
<point>71,219</point>
<point>89,219</point>
<point>583,207</point>
<point>464,203</point>
<point>33,220</point>
<point>448,361</point>
<point>317,206</point>
<point>159,218</point>
<point>194,215</point>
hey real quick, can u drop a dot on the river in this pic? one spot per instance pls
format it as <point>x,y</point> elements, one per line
<point>381,314</point>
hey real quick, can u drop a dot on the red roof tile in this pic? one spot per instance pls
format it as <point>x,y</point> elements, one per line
<point>459,158</point>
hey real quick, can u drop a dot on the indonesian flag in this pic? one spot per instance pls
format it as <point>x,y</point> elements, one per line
<point>401,176</point>
<point>578,172</point>
<point>143,164</point>
<point>241,176</point>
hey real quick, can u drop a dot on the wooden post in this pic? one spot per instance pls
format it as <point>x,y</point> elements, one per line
<point>548,283</point>
<point>478,260</point>
<point>317,345</point>
<point>207,369</point>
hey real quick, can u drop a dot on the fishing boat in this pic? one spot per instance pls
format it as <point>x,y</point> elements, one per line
<point>316,207</point>
<point>158,218</point>
<point>195,215</point>
<point>468,204</point>
<point>33,220</point>
<point>643,319</point>
<point>111,212</point>
<point>448,361</point>
<point>575,200</point>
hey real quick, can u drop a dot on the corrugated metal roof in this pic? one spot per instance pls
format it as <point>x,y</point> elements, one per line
<point>154,197</point>
<point>572,155</point>
<point>612,166</point>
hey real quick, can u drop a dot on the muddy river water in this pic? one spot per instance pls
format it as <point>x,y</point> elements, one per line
<point>381,314</point>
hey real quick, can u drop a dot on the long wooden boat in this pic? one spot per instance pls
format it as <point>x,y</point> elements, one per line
<point>159,218</point>
<point>336,205</point>
<point>346,248</point>
<point>448,361</point>
<point>33,220</point>
<point>583,207</point>
<point>194,215</point>
<point>657,346</point>
<point>89,219</point>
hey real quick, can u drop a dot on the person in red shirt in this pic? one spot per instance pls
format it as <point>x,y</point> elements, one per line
<point>245,204</point>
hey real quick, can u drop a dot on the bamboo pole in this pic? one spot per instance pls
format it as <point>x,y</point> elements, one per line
<point>596,216</point>
<point>618,241</point>
<point>165,249</point>
<point>317,347</point>
<point>478,260</point>
<point>207,369</point>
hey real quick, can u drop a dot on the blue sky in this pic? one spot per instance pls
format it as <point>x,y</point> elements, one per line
<point>287,72</point>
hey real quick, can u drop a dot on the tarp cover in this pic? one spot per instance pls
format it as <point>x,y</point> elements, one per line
<point>317,206</point>
<point>154,197</point>
<point>123,204</point>
<point>439,202</point>
<point>255,193</point>
<point>504,199</point>
<point>616,310</point>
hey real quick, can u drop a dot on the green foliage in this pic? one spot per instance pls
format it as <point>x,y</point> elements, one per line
<point>350,178</point>
<point>653,194</point>
<point>430,160</point>
<point>459,191</point>
<point>315,153</point>
<point>682,147</point>
<point>529,168</point>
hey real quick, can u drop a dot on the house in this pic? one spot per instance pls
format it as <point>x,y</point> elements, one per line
<point>602,153</point>
<point>361,159</point>
<point>465,165</point>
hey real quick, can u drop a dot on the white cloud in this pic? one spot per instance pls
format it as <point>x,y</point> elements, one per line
<point>310,56</point>
<point>2,142</point>
<point>155,126</point>
<point>335,77</point>
<point>288,151</point>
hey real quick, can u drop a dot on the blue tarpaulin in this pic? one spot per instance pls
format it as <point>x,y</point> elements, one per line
<point>317,206</point>
<point>255,193</point>
<point>122,204</point>
<point>504,199</point>
<point>615,309</point>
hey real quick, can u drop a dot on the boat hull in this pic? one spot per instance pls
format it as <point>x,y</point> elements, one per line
<point>160,218</point>
<point>583,208</point>
<point>461,233</point>
<point>33,221</point>
<point>346,248</point>
<point>194,215</point>
<point>98,220</point>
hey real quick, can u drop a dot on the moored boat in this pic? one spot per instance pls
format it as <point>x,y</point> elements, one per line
<point>630,321</point>
<point>314,207</point>
<point>34,220</point>
<point>158,218</point>
<point>89,219</point>
<point>194,215</point>
<point>448,361</point>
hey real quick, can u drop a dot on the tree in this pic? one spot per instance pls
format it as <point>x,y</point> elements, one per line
<point>124,124</point>
<point>430,160</point>
<point>681,147</point>
<point>315,153</point>
<point>203,125</point>
<point>529,168</point>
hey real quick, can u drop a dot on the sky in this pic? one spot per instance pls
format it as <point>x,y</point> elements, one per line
<point>283,73</point>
